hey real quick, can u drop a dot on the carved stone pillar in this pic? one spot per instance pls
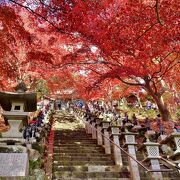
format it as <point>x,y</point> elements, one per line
<point>87,124</point>
<point>114,130</point>
<point>107,144</point>
<point>99,135</point>
<point>89,130</point>
<point>177,141</point>
<point>90,121</point>
<point>153,155</point>
<point>130,144</point>
<point>94,136</point>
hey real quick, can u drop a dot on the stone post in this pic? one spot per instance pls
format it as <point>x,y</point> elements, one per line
<point>84,113</point>
<point>88,125</point>
<point>114,130</point>
<point>94,136</point>
<point>130,144</point>
<point>153,155</point>
<point>99,135</point>
<point>107,144</point>
<point>175,136</point>
<point>177,141</point>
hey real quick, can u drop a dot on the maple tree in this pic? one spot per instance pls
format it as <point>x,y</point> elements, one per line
<point>138,41</point>
<point>16,49</point>
<point>23,54</point>
<point>134,41</point>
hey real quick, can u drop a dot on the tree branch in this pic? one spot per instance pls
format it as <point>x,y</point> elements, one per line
<point>129,83</point>
<point>154,85</point>
<point>95,71</point>
<point>170,66</point>
<point>149,28</point>
<point>157,13</point>
<point>160,68</point>
<point>52,9</point>
<point>40,16</point>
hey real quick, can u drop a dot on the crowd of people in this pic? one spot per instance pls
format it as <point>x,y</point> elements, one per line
<point>39,123</point>
<point>110,113</point>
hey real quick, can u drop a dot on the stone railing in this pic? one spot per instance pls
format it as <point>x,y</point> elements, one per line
<point>110,136</point>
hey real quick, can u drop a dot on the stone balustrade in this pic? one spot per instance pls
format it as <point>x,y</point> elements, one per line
<point>103,131</point>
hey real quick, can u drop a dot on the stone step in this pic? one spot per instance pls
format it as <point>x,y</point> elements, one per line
<point>80,158</point>
<point>91,178</point>
<point>67,131</point>
<point>61,154</point>
<point>79,151</point>
<point>76,142</point>
<point>83,137</point>
<point>83,175</point>
<point>60,132</point>
<point>90,168</point>
<point>65,135</point>
<point>85,157</point>
<point>71,135</point>
<point>75,131</point>
<point>77,148</point>
<point>70,163</point>
<point>76,145</point>
<point>71,140</point>
<point>75,138</point>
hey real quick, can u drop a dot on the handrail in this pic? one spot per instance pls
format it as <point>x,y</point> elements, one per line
<point>147,169</point>
<point>170,163</point>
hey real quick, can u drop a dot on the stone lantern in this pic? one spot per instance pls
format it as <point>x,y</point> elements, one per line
<point>16,107</point>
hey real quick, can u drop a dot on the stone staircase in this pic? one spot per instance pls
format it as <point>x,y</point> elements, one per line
<point>77,156</point>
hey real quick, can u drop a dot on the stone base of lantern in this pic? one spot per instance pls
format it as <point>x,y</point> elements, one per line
<point>13,132</point>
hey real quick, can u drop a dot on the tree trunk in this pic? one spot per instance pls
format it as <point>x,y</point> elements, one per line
<point>139,100</point>
<point>165,114</point>
<point>162,109</point>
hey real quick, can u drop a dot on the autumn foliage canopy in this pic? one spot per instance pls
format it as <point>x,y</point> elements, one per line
<point>91,44</point>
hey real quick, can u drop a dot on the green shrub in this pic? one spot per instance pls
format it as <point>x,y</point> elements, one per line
<point>34,165</point>
<point>38,147</point>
